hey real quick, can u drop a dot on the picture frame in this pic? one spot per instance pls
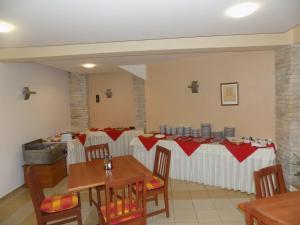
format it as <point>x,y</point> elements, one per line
<point>229,94</point>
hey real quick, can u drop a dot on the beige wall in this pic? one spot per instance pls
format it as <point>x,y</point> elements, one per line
<point>117,111</point>
<point>169,101</point>
<point>44,114</point>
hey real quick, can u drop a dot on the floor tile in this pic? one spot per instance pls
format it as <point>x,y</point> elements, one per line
<point>190,204</point>
<point>199,194</point>
<point>210,223</point>
<point>202,204</point>
<point>185,216</point>
<point>207,216</point>
<point>187,223</point>
<point>230,215</point>
<point>217,193</point>
<point>179,186</point>
<point>236,201</point>
<point>183,205</point>
<point>181,195</point>
<point>196,186</point>
<point>221,203</point>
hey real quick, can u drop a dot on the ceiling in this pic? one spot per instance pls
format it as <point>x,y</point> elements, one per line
<point>59,22</point>
<point>69,22</point>
<point>110,64</point>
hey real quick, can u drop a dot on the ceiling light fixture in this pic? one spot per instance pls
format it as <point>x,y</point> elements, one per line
<point>88,65</point>
<point>6,27</point>
<point>242,9</point>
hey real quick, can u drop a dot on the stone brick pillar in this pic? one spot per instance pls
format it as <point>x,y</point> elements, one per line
<point>287,91</point>
<point>139,102</point>
<point>79,107</point>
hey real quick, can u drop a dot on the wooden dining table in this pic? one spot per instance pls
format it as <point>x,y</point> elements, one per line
<point>91,174</point>
<point>279,209</point>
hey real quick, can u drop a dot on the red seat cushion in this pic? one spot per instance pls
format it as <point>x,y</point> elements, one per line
<point>58,203</point>
<point>155,183</point>
<point>119,212</point>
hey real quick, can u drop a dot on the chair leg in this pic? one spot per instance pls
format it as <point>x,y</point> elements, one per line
<point>41,222</point>
<point>79,219</point>
<point>110,195</point>
<point>156,200</point>
<point>166,198</point>
<point>98,198</point>
<point>90,196</point>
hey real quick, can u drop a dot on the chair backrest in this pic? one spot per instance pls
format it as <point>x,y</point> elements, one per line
<point>94,152</point>
<point>162,163</point>
<point>269,181</point>
<point>36,191</point>
<point>119,195</point>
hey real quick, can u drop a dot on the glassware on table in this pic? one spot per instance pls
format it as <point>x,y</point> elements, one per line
<point>108,162</point>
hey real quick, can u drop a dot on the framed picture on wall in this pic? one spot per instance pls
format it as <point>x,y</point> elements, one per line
<point>229,93</point>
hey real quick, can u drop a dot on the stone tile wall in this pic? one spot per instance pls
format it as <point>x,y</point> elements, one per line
<point>139,102</point>
<point>79,108</point>
<point>287,91</point>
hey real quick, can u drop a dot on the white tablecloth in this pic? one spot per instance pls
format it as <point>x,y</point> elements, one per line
<point>75,152</point>
<point>210,164</point>
<point>118,147</point>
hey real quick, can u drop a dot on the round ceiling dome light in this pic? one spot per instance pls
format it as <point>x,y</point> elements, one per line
<point>6,27</point>
<point>88,65</point>
<point>242,9</point>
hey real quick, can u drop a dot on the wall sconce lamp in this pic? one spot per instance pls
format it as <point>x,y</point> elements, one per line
<point>27,93</point>
<point>108,93</point>
<point>194,86</point>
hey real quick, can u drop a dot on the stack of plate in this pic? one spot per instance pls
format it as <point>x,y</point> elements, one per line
<point>229,132</point>
<point>195,132</point>
<point>218,134</point>
<point>173,131</point>
<point>205,130</point>
<point>187,131</point>
<point>168,130</point>
<point>162,129</point>
<point>180,131</point>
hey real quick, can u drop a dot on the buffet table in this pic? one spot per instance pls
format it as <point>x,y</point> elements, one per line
<point>210,164</point>
<point>119,146</point>
<point>75,152</point>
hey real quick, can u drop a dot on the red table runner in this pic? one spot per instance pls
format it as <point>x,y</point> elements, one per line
<point>190,146</point>
<point>243,150</point>
<point>80,137</point>
<point>148,142</point>
<point>113,133</point>
<point>187,146</point>
<point>240,152</point>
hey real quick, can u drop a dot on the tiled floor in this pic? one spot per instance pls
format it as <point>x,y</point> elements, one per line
<point>190,203</point>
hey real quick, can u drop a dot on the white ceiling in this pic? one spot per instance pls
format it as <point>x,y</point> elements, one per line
<point>57,22</point>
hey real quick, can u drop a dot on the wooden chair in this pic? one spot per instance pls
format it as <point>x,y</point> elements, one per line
<point>71,203</point>
<point>269,181</point>
<point>122,207</point>
<point>92,153</point>
<point>160,179</point>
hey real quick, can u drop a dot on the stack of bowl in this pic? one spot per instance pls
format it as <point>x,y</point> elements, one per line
<point>173,130</point>
<point>162,129</point>
<point>195,132</point>
<point>187,131</point>
<point>205,130</point>
<point>180,131</point>
<point>168,130</point>
<point>218,134</point>
<point>229,132</point>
